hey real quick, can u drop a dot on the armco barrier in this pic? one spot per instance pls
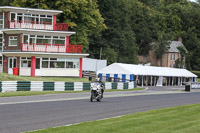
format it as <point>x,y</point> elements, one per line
<point>57,86</point>
<point>0,86</point>
<point>36,85</point>
<point>23,85</point>
<point>125,85</point>
<point>69,86</point>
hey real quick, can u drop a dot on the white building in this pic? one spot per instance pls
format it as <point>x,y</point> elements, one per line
<point>32,43</point>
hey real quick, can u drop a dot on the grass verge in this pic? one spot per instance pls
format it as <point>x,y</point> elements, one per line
<point>9,77</point>
<point>179,119</point>
<point>31,93</point>
<point>198,79</point>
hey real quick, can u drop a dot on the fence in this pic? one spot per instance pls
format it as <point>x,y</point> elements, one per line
<point>6,86</point>
<point>195,85</point>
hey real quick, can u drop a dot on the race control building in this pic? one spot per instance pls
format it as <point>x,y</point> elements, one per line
<point>32,43</point>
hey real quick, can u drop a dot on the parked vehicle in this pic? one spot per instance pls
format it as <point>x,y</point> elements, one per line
<point>96,91</point>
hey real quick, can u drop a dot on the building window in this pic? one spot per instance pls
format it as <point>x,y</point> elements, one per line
<point>1,21</point>
<point>60,63</point>
<point>45,62</point>
<point>174,56</point>
<point>13,41</point>
<point>40,39</point>
<point>170,56</point>
<point>31,18</point>
<point>1,42</point>
<point>26,62</point>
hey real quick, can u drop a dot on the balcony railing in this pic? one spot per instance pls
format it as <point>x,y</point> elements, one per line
<point>54,48</point>
<point>37,25</point>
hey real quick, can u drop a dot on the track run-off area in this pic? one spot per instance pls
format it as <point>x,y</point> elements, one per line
<point>27,113</point>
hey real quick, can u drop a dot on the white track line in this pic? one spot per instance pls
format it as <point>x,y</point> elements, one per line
<point>80,98</point>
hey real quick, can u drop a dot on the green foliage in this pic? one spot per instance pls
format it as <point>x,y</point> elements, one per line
<point>118,40</point>
<point>5,2</point>
<point>179,62</point>
<point>129,27</point>
<point>197,73</point>
<point>161,46</point>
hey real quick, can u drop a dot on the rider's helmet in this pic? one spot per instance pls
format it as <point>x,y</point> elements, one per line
<point>98,79</point>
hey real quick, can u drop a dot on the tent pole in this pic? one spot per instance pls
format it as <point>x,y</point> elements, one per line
<point>172,81</point>
<point>181,81</point>
<point>178,81</point>
<point>142,80</point>
<point>147,80</point>
<point>151,80</point>
<point>166,81</point>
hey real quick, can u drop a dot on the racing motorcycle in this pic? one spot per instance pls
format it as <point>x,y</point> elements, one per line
<point>96,92</point>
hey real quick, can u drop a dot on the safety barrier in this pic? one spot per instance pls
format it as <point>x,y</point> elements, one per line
<point>195,85</point>
<point>6,86</point>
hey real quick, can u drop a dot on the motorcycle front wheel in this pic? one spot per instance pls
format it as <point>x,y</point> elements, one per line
<point>92,97</point>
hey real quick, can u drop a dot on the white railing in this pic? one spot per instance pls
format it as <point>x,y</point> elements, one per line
<point>44,48</point>
<point>30,25</point>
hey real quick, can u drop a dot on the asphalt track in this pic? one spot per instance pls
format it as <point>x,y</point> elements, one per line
<point>20,114</point>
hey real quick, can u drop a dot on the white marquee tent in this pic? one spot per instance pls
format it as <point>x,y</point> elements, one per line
<point>139,70</point>
<point>120,68</point>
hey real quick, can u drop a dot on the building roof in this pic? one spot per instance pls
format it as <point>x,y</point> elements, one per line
<point>29,10</point>
<point>174,45</point>
<point>45,54</point>
<point>38,32</point>
<point>120,68</point>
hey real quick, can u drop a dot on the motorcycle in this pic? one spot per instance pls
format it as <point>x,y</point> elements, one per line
<point>96,92</point>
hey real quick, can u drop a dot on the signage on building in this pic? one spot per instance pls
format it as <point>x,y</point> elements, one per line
<point>5,61</point>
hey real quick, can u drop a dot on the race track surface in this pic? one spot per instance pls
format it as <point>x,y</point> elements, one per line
<point>22,116</point>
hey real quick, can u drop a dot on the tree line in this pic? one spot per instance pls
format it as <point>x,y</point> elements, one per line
<point>119,30</point>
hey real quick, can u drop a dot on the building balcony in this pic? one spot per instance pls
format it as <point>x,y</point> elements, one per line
<point>37,25</point>
<point>54,48</point>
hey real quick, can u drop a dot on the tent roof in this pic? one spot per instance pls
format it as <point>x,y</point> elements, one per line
<point>120,68</point>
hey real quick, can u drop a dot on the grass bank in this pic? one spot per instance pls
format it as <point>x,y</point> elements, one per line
<point>9,77</point>
<point>31,93</point>
<point>179,119</point>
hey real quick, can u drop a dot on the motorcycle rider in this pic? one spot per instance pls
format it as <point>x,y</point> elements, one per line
<point>102,86</point>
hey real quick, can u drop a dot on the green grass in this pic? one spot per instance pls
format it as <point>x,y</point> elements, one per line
<point>31,93</point>
<point>198,79</point>
<point>179,119</point>
<point>9,77</point>
<point>135,89</point>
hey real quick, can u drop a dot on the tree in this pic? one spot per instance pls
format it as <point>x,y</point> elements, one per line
<point>183,52</point>
<point>118,38</point>
<point>161,46</point>
<point>5,2</point>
